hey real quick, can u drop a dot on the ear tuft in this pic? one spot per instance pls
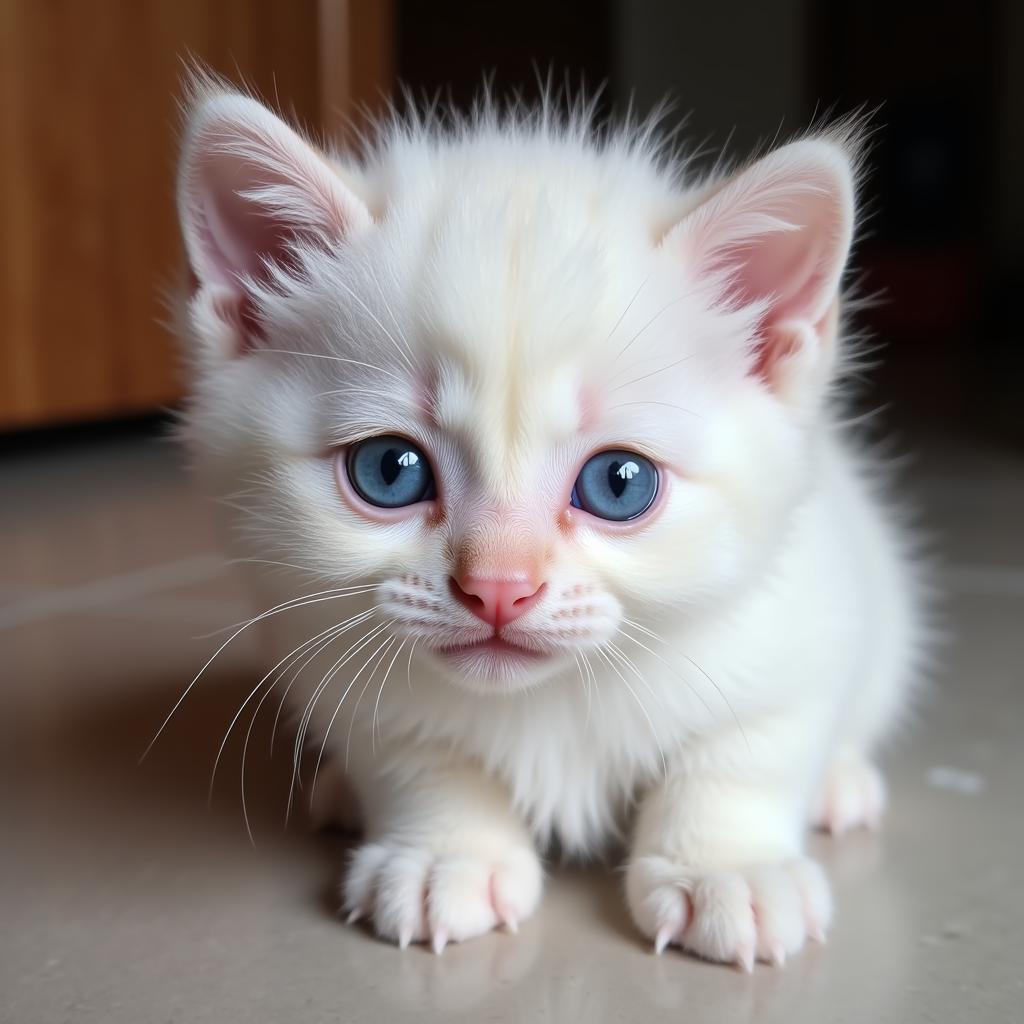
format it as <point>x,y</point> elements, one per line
<point>250,190</point>
<point>776,237</point>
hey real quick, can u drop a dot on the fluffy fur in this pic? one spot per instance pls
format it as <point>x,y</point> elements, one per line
<point>514,293</point>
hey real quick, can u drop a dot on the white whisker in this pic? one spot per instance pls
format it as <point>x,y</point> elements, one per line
<point>335,359</point>
<point>663,309</point>
<point>307,713</point>
<point>350,624</point>
<point>690,661</point>
<point>290,657</point>
<point>380,693</point>
<point>407,358</point>
<point>639,704</point>
<point>359,700</point>
<point>276,610</point>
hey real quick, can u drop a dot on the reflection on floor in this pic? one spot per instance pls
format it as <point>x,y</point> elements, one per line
<point>126,900</point>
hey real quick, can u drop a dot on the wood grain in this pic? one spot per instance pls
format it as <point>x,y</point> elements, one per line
<point>88,235</point>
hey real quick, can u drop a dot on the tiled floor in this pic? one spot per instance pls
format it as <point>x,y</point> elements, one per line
<point>123,899</point>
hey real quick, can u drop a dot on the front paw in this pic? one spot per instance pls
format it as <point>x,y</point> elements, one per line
<point>852,795</point>
<point>764,912</point>
<point>424,891</point>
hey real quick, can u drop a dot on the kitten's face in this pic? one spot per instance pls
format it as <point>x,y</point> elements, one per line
<point>514,412</point>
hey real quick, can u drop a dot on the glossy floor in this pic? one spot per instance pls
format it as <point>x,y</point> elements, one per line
<point>124,899</point>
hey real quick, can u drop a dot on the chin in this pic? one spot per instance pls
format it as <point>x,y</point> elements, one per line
<point>498,667</point>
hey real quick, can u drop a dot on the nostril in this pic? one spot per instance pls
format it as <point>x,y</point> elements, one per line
<point>495,601</point>
<point>471,601</point>
<point>528,599</point>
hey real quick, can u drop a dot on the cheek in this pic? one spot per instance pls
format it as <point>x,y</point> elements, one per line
<point>691,546</point>
<point>340,539</point>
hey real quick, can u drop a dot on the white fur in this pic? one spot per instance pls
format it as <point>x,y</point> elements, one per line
<point>553,294</point>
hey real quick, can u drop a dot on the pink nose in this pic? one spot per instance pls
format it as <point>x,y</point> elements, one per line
<point>495,601</point>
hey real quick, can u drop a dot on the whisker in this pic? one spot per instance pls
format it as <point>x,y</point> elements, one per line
<point>664,309</point>
<point>639,704</point>
<point>629,306</point>
<point>276,610</point>
<point>394,319</point>
<point>334,359</point>
<point>307,713</point>
<point>350,624</point>
<point>671,668</point>
<point>295,603</point>
<point>359,700</point>
<point>593,679</point>
<point>408,667</point>
<point>661,369</point>
<point>373,316</point>
<point>634,668</point>
<point>380,693</point>
<point>690,661</point>
<point>667,405</point>
<point>382,650</point>
<point>290,657</point>
<point>586,688</point>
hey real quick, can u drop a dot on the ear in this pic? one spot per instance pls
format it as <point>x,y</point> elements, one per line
<point>776,238</point>
<point>249,191</point>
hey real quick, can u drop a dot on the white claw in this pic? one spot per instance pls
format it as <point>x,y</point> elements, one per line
<point>405,937</point>
<point>778,955</point>
<point>662,939</point>
<point>511,924</point>
<point>439,941</point>
<point>354,916</point>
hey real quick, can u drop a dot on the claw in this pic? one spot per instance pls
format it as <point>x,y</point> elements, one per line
<point>405,937</point>
<point>778,955</point>
<point>511,923</point>
<point>439,941</point>
<point>662,939</point>
<point>354,915</point>
<point>816,932</point>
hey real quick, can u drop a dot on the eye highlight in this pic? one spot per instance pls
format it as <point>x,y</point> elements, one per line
<point>616,485</point>
<point>390,472</point>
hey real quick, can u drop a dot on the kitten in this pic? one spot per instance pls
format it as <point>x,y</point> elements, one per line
<point>536,462</point>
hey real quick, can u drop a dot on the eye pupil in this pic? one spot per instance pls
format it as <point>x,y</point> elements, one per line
<point>390,472</point>
<point>616,479</point>
<point>390,467</point>
<point>616,485</point>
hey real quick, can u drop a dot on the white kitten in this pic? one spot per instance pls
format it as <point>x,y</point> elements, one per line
<point>548,435</point>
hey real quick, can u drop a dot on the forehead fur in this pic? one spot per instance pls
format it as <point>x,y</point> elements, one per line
<point>513,295</point>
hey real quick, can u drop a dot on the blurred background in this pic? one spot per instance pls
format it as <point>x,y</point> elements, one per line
<point>122,899</point>
<point>89,239</point>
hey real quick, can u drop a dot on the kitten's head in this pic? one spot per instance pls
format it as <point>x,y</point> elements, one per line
<point>524,384</point>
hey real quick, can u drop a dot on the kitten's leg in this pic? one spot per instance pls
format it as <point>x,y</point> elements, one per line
<point>717,862</point>
<point>852,794</point>
<point>445,857</point>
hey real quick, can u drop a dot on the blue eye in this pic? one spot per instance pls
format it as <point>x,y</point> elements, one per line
<point>390,472</point>
<point>616,485</point>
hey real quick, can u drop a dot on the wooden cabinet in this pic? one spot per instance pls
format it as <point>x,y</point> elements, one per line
<point>89,244</point>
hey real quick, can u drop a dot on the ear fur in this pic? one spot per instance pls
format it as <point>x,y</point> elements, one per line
<point>776,237</point>
<point>250,190</point>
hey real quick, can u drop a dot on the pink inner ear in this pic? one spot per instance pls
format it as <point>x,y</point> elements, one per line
<point>238,235</point>
<point>778,234</point>
<point>249,188</point>
<point>795,269</point>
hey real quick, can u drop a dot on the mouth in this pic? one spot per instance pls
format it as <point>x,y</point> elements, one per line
<point>494,647</point>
